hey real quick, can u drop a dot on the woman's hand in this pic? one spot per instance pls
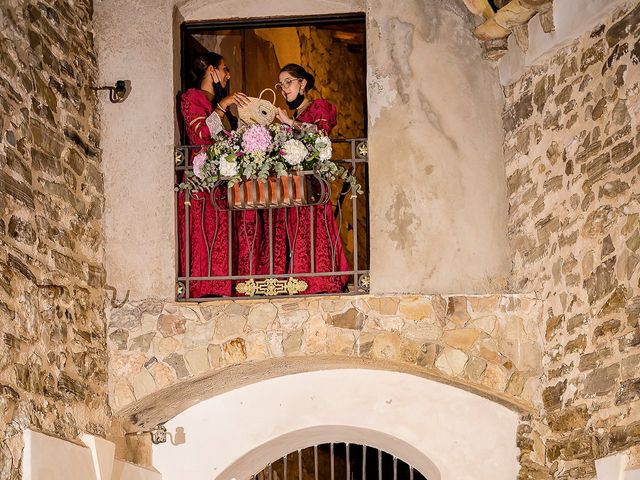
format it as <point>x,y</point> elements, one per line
<point>283,117</point>
<point>238,98</point>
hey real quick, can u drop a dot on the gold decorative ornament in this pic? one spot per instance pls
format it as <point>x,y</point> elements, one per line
<point>364,282</point>
<point>271,287</point>
<point>180,289</point>
<point>362,149</point>
<point>179,157</point>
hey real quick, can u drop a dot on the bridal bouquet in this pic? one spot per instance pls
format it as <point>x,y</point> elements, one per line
<point>256,152</point>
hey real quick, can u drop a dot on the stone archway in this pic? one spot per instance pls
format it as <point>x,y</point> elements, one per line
<point>167,357</point>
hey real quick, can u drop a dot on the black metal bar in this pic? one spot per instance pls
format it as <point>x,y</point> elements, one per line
<point>281,276</point>
<point>354,208</point>
<point>332,463</point>
<point>315,461</point>
<point>187,241</point>
<point>312,223</point>
<point>364,462</point>
<point>272,22</point>
<point>348,462</point>
<point>270,242</point>
<point>391,466</point>
<point>284,469</point>
<point>230,242</point>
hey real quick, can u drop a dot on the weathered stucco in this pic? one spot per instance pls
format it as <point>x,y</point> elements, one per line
<point>437,182</point>
<point>437,185</point>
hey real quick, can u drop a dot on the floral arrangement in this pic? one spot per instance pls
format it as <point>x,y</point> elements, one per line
<point>257,152</point>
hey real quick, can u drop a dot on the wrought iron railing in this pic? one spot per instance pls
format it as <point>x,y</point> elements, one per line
<point>338,461</point>
<point>282,237</point>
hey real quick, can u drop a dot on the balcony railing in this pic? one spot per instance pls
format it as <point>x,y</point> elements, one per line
<point>295,244</point>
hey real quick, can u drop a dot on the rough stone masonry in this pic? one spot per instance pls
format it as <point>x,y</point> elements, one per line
<point>53,362</point>
<point>573,167</point>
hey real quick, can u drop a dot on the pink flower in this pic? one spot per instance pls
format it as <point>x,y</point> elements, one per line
<point>256,138</point>
<point>198,163</point>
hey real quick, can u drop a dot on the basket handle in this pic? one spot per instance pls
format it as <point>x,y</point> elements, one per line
<point>268,90</point>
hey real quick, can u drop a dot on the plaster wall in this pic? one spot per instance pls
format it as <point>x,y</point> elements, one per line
<point>51,458</point>
<point>437,181</point>
<point>456,435</point>
<point>437,184</point>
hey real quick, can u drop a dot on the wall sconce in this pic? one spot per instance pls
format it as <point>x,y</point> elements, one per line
<point>117,93</point>
<point>159,435</point>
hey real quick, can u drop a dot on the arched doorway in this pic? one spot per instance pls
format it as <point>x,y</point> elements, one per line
<point>442,431</point>
<point>338,461</point>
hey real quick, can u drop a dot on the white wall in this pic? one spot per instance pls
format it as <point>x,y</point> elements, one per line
<point>445,432</point>
<point>134,42</point>
<point>50,458</point>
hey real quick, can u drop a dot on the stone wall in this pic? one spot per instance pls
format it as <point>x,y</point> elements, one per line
<point>53,361</point>
<point>573,167</point>
<point>487,344</point>
<point>340,78</point>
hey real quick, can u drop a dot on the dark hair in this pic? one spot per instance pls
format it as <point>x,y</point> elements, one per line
<point>200,65</point>
<point>197,72</point>
<point>299,72</point>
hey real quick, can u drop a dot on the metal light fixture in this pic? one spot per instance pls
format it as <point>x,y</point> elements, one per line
<point>117,93</point>
<point>159,435</point>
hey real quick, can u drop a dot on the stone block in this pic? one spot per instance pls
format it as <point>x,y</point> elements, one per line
<point>143,384</point>
<point>257,348</point>
<point>234,351</point>
<point>171,325</point>
<point>457,311</point>
<point>629,391</point>
<point>569,419</point>
<point>461,339</point>
<point>383,305</point>
<point>176,361</point>
<point>601,380</point>
<point>227,325</point>
<point>292,343</point>
<point>415,310</point>
<point>262,316</point>
<point>626,27</point>
<point>351,319</point>
<point>197,360</point>
<point>386,345</point>
<point>451,361</point>
<point>552,395</point>
<point>216,357</point>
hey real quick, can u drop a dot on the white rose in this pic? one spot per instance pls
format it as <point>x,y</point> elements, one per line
<point>294,152</point>
<point>228,169</point>
<point>323,144</point>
